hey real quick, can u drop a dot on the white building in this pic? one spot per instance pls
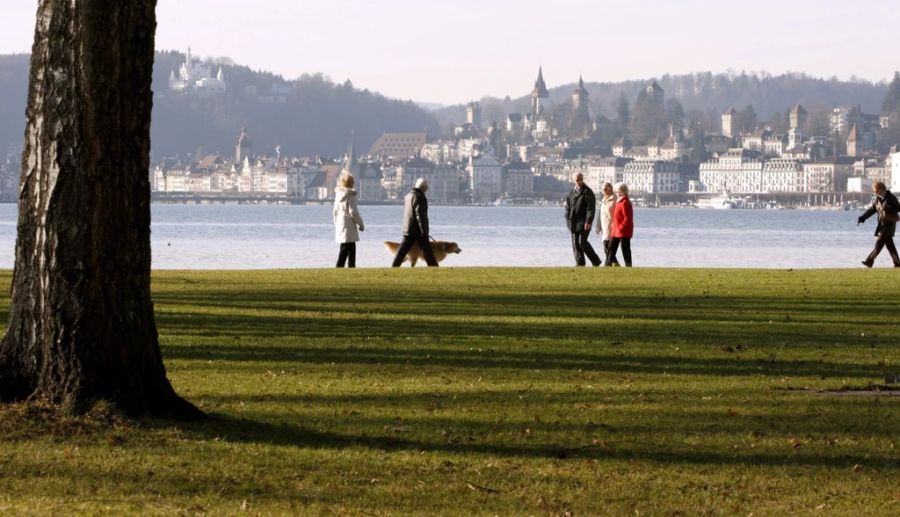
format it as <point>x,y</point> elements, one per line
<point>780,175</point>
<point>652,176</point>
<point>196,77</point>
<point>738,170</point>
<point>895,170</point>
<point>485,178</point>
<point>826,176</point>
<point>176,180</point>
<point>605,170</point>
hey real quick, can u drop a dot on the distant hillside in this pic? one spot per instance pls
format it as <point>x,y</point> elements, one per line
<point>307,116</point>
<point>13,95</point>
<point>704,92</point>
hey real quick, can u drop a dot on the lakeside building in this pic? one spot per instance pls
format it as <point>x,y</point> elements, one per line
<point>827,175</point>
<point>485,178</point>
<point>518,179</point>
<point>603,170</point>
<point>747,171</point>
<point>652,176</point>
<point>398,146</point>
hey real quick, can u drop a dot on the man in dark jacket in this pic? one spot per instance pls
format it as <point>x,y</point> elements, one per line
<point>415,225</point>
<point>580,207</point>
<point>886,206</point>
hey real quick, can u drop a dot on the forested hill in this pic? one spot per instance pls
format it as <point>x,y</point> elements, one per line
<point>307,116</point>
<point>706,93</point>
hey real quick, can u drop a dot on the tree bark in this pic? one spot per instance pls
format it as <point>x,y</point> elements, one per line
<point>81,326</point>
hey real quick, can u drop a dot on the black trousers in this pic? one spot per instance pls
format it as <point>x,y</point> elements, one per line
<point>581,247</point>
<point>885,239</point>
<point>407,245</point>
<point>347,254</point>
<point>606,252</point>
<point>614,248</point>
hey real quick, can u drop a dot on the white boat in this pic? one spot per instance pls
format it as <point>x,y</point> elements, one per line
<point>723,201</point>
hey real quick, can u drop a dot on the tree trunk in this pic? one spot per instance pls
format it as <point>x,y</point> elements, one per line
<point>81,326</point>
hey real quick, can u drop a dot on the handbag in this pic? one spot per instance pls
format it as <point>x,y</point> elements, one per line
<point>890,217</point>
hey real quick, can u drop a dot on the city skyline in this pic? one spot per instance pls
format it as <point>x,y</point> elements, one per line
<point>450,53</point>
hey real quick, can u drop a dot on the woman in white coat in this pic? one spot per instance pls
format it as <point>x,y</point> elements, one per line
<point>346,221</point>
<point>607,203</point>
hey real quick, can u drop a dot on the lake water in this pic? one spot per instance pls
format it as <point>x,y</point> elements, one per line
<point>275,236</point>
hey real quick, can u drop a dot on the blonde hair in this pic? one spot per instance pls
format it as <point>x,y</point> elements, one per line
<point>347,180</point>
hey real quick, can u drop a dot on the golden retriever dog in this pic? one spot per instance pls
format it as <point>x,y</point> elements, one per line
<point>440,249</point>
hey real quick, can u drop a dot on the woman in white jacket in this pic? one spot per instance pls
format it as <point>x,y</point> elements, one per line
<point>346,221</point>
<point>606,205</point>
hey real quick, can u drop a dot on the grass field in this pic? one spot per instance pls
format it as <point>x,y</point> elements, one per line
<point>494,391</point>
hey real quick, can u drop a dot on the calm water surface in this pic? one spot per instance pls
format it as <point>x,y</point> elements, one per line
<point>264,237</point>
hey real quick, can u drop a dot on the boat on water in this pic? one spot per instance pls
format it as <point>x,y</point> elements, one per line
<point>722,201</point>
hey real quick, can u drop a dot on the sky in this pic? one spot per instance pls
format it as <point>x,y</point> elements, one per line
<point>453,51</point>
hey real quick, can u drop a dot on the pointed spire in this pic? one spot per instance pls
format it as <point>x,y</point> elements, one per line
<point>350,164</point>
<point>540,88</point>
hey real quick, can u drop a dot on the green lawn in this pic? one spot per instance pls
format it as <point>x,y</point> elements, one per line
<point>494,391</point>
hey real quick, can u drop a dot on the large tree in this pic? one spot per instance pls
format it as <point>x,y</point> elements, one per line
<point>81,326</point>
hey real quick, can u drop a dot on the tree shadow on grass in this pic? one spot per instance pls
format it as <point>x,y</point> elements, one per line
<point>287,435</point>
<point>496,411</point>
<point>609,359</point>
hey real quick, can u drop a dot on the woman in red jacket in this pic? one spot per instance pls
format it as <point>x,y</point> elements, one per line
<point>622,227</point>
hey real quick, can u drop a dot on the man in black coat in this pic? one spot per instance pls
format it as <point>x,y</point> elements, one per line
<point>415,225</point>
<point>580,207</point>
<point>886,206</point>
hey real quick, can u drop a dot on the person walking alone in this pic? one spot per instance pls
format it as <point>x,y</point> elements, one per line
<point>886,206</point>
<point>606,205</point>
<point>580,206</point>
<point>415,225</point>
<point>346,221</point>
<point>622,227</point>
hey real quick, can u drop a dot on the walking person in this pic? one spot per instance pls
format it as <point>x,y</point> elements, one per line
<point>622,227</point>
<point>415,225</point>
<point>886,206</point>
<point>606,205</point>
<point>346,221</point>
<point>580,206</point>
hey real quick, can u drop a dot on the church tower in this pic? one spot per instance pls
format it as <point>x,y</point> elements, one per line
<point>854,142</point>
<point>729,123</point>
<point>581,117</point>
<point>473,114</point>
<point>580,97</point>
<point>798,117</point>
<point>539,92</point>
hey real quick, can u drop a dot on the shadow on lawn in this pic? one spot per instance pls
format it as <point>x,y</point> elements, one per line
<point>249,431</point>
<point>428,315</point>
<point>590,357</point>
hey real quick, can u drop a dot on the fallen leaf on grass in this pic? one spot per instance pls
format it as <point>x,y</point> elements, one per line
<point>482,488</point>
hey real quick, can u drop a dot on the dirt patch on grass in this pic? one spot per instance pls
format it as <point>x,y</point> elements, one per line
<point>869,390</point>
<point>24,421</point>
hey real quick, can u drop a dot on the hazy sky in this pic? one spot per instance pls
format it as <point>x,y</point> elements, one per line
<point>451,51</point>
